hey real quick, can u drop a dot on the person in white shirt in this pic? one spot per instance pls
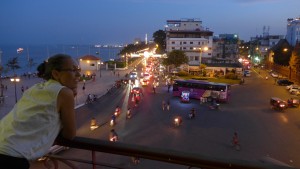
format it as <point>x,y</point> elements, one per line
<point>44,111</point>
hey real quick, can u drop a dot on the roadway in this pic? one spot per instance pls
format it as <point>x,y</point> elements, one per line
<point>262,132</point>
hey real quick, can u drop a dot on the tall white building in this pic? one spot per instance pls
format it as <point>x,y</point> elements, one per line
<point>293,31</point>
<point>188,35</point>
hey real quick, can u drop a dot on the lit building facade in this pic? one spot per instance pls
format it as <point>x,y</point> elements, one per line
<point>293,31</point>
<point>89,64</point>
<point>225,48</point>
<point>189,36</point>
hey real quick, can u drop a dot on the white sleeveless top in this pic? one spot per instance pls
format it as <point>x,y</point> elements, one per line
<point>30,128</point>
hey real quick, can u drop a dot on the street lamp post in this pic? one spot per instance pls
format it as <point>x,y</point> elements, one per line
<point>99,63</point>
<point>15,80</point>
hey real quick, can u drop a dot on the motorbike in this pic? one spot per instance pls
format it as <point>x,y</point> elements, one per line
<point>113,138</point>
<point>235,142</point>
<point>93,125</point>
<point>191,115</point>
<point>128,114</point>
<point>177,121</point>
<point>112,122</point>
<point>293,102</point>
<point>117,112</point>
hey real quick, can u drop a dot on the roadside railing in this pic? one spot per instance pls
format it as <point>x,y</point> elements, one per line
<point>190,160</point>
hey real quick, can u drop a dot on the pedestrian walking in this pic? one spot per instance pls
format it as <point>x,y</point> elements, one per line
<point>168,105</point>
<point>83,87</point>
<point>163,105</point>
<point>22,89</point>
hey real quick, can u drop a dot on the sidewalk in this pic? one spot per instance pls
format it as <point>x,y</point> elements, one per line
<point>98,87</point>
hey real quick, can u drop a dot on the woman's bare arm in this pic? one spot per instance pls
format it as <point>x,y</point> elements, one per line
<point>65,104</point>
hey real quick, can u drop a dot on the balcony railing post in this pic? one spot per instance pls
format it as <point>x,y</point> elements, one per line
<point>94,159</point>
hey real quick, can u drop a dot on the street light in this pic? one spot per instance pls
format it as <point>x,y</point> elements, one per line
<point>15,80</point>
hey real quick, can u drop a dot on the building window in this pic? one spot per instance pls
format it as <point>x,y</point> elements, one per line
<point>173,42</point>
<point>184,48</point>
<point>173,48</point>
<point>199,43</point>
<point>191,48</point>
<point>196,58</point>
<point>92,64</point>
<point>184,42</point>
<point>191,42</point>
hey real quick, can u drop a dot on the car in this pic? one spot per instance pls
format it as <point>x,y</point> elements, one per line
<point>291,86</point>
<point>284,82</point>
<point>133,75</point>
<point>294,89</point>
<point>146,76</point>
<point>274,74</point>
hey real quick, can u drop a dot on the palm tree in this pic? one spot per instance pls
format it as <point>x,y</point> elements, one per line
<point>13,64</point>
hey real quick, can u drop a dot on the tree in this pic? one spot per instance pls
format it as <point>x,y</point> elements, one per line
<point>159,37</point>
<point>132,48</point>
<point>176,58</point>
<point>13,64</point>
<point>295,59</point>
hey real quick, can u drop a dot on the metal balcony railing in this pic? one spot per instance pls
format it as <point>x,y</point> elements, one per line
<point>190,160</point>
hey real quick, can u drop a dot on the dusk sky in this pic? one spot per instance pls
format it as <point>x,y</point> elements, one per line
<point>121,21</point>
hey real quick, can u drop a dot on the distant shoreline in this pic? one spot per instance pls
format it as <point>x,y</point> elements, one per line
<point>39,53</point>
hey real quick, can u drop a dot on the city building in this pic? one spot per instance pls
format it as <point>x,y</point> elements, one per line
<point>89,64</point>
<point>225,48</point>
<point>259,45</point>
<point>293,30</point>
<point>189,36</point>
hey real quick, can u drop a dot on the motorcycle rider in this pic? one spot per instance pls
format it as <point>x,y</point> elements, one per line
<point>128,114</point>
<point>192,113</point>
<point>235,141</point>
<point>163,104</point>
<point>113,119</point>
<point>177,121</point>
<point>113,136</point>
<point>93,124</point>
<point>118,110</point>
